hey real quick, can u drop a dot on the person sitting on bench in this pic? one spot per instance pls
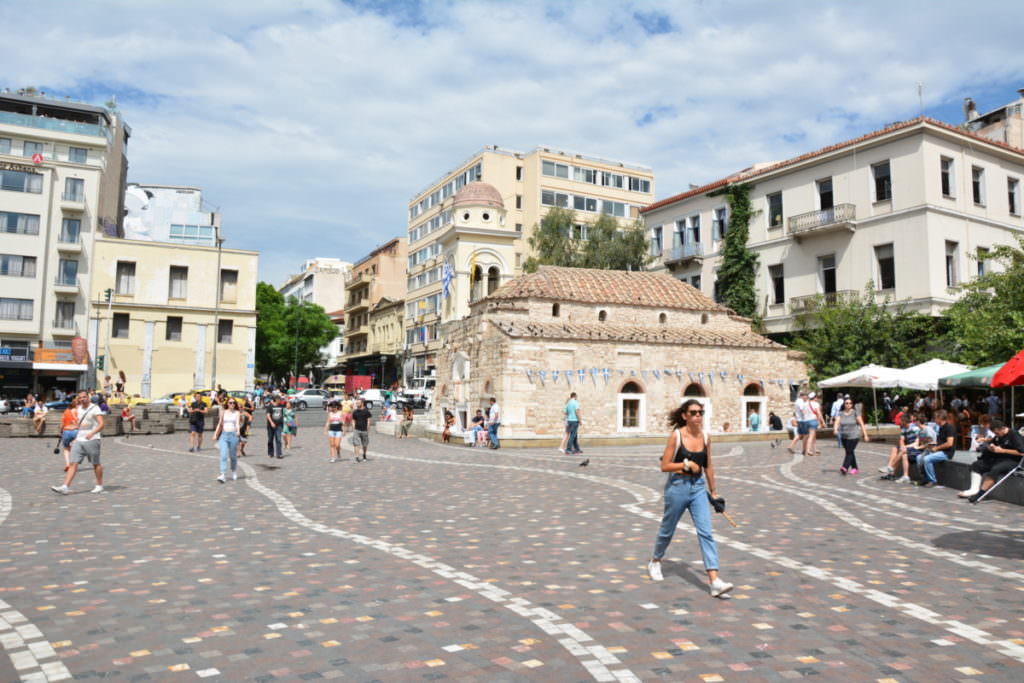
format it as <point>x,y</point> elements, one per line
<point>998,459</point>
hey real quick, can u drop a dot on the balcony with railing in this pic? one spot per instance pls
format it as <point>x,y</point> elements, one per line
<point>59,125</point>
<point>72,201</point>
<point>69,242</point>
<point>64,327</point>
<point>815,301</point>
<point>682,253</point>
<point>64,284</point>
<point>839,217</point>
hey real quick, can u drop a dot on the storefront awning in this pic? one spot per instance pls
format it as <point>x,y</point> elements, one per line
<point>64,367</point>
<point>16,364</point>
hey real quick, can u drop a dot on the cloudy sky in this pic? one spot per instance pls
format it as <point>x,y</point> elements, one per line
<point>311,123</point>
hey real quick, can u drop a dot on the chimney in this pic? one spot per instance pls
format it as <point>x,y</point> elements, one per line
<point>970,110</point>
<point>1020,91</point>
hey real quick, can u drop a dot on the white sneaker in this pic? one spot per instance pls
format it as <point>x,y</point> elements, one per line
<point>561,450</point>
<point>720,588</point>
<point>220,478</point>
<point>654,571</point>
<point>62,489</point>
<point>97,489</point>
<point>234,476</point>
<point>903,480</point>
<point>885,470</point>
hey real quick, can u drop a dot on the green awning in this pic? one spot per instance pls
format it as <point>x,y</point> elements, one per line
<point>981,377</point>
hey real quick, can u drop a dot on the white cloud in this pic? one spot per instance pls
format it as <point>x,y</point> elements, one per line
<point>312,123</point>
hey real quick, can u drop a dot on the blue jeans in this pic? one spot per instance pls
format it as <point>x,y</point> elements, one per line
<point>274,437</point>
<point>928,465</point>
<point>492,432</point>
<point>684,493</point>
<point>228,448</point>
<point>573,444</point>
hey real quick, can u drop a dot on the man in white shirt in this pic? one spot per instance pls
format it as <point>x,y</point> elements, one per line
<point>800,411</point>
<point>493,422</point>
<point>86,445</point>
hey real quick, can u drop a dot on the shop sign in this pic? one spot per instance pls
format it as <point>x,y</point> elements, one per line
<point>45,355</point>
<point>13,354</point>
<point>11,166</point>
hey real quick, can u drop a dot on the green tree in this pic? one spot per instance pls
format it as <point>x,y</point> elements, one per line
<point>986,325</point>
<point>558,242</point>
<point>846,334</point>
<point>553,241</point>
<point>289,334</point>
<point>736,275</point>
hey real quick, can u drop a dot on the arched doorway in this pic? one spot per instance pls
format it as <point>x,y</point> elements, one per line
<point>753,399</point>
<point>632,408</point>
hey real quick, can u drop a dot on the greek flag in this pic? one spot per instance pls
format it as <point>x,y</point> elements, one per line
<point>447,275</point>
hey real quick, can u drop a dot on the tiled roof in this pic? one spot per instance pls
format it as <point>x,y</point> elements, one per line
<point>477,193</point>
<point>753,173</point>
<point>692,336</point>
<point>593,286</point>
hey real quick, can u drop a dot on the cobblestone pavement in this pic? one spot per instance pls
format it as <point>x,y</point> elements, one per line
<point>444,562</point>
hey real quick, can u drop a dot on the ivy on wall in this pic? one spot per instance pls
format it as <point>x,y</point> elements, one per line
<point>736,275</point>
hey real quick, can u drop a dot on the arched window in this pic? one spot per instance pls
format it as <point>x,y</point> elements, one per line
<point>753,389</point>
<point>694,389</point>
<point>556,310</point>
<point>493,278</point>
<point>602,316</point>
<point>476,290</point>
<point>662,318</point>
<point>632,408</point>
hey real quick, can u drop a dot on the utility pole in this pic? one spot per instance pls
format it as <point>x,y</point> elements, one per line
<point>216,308</point>
<point>109,294</point>
<point>295,373</point>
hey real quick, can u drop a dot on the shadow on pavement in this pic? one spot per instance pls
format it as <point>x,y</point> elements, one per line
<point>698,579</point>
<point>996,542</point>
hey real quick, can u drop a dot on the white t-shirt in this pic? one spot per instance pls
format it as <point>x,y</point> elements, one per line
<point>87,418</point>
<point>801,410</point>
<point>494,414</point>
<point>813,410</point>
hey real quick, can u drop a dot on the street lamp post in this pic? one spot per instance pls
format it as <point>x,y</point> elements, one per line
<point>216,308</point>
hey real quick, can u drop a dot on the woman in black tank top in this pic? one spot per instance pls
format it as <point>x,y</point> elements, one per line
<point>687,460</point>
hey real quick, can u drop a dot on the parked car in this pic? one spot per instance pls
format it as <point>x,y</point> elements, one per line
<point>165,400</point>
<point>11,405</point>
<point>58,405</point>
<point>310,398</point>
<point>371,397</point>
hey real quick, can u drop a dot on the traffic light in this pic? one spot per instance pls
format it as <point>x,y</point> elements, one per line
<point>101,360</point>
<point>108,293</point>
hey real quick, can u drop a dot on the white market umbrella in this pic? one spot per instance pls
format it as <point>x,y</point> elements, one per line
<point>925,376</point>
<point>870,376</point>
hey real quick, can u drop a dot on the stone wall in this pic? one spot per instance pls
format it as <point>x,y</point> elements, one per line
<point>509,369</point>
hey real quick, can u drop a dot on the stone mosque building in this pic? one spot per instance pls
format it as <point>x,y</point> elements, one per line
<point>632,345</point>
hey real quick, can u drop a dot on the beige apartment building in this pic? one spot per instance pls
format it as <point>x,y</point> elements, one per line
<point>387,331</point>
<point>493,249</point>
<point>378,275</point>
<point>173,325</point>
<point>1002,124</point>
<point>906,208</point>
<point>62,171</point>
<point>321,281</point>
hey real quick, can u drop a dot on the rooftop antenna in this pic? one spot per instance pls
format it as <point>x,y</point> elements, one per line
<point>920,98</point>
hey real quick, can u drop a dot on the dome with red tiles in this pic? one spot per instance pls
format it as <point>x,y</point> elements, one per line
<point>478,194</point>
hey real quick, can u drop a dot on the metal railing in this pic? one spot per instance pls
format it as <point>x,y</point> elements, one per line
<point>68,324</point>
<point>816,220</point>
<point>815,301</point>
<point>66,238</point>
<point>65,281</point>
<point>685,251</point>
<point>76,127</point>
<point>72,196</point>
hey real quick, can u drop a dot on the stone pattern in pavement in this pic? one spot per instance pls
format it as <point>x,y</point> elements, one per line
<point>340,570</point>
